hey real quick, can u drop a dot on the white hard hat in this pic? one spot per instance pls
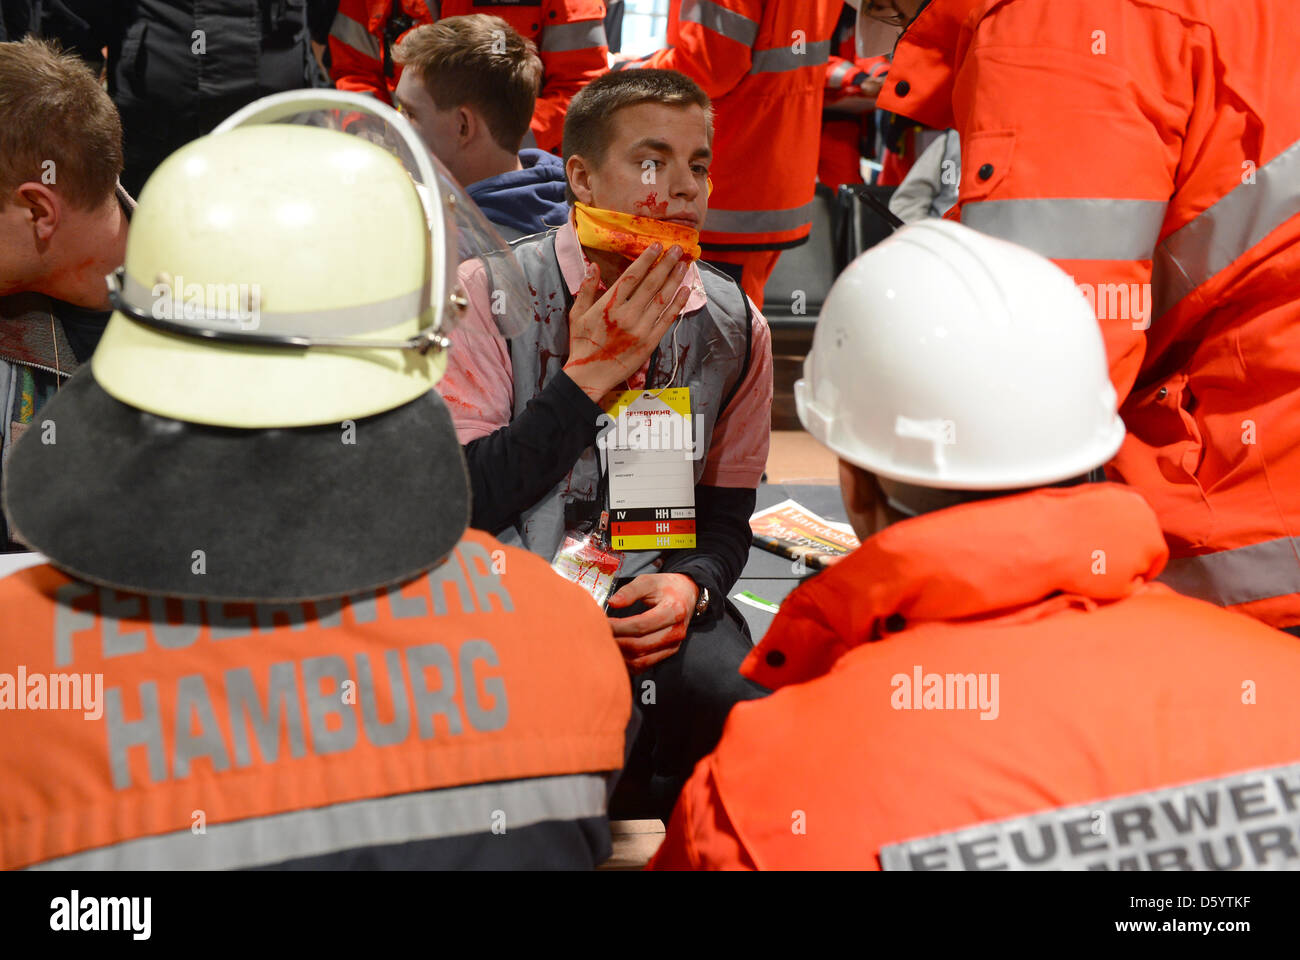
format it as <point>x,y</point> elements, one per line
<point>947,358</point>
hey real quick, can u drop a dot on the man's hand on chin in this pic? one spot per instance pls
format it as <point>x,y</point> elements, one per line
<point>656,633</point>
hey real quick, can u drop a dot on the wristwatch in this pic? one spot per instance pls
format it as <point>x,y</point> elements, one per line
<point>702,603</point>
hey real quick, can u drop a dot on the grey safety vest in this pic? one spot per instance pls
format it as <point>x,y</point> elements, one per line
<point>713,347</point>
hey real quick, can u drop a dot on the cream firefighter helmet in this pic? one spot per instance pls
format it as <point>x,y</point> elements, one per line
<point>283,273</point>
<point>946,358</point>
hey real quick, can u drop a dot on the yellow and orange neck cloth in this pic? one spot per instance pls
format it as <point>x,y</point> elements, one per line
<point>629,235</point>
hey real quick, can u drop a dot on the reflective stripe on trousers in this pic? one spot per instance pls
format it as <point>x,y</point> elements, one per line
<point>759,221</point>
<point>791,57</point>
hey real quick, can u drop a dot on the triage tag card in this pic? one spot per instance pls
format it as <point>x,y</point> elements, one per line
<point>651,454</point>
<point>582,559</point>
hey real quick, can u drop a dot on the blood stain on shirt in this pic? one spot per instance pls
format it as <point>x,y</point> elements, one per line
<point>453,401</point>
<point>544,358</point>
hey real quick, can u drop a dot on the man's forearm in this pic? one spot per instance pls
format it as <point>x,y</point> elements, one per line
<point>512,469</point>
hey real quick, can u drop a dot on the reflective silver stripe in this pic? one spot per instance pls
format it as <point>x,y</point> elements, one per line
<point>347,31</point>
<point>837,73</point>
<point>784,58</point>
<point>759,221</point>
<point>1239,220</point>
<point>453,812</point>
<point>573,36</point>
<point>1243,820</point>
<point>1073,229</point>
<point>1240,575</point>
<point>728,23</point>
<point>332,322</point>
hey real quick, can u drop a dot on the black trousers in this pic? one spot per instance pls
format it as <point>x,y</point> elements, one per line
<point>683,703</point>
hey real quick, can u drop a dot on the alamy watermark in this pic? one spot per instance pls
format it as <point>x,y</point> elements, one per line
<point>651,430</point>
<point>55,691</point>
<point>75,912</point>
<point>946,691</point>
<point>239,304</point>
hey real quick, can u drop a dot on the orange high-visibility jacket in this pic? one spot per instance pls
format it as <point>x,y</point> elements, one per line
<point>570,37</point>
<point>1064,678</point>
<point>763,63</point>
<point>842,141</point>
<point>1152,149</point>
<point>466,718</point>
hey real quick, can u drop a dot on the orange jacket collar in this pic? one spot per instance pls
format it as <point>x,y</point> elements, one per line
<point>926,59</point>
<point>1099,541</point>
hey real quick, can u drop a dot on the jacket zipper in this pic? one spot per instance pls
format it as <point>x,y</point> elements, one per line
<point>38,366</point>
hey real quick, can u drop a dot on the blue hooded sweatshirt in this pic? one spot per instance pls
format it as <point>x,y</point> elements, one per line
<point>527,201</point>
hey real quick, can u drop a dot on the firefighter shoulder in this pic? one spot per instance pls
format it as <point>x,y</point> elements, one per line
<point>1178,221</point>
<point>265,636</point>
<point>569,34</point>
<point>993,681</point>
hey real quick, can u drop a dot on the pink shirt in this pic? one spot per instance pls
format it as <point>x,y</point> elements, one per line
<point>479,384</point>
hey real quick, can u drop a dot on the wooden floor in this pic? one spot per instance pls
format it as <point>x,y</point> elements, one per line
<point>795,457</point>
<point>635,842</point>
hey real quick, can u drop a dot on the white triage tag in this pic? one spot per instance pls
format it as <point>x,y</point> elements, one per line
<point>583,559</point>
<point>651,452</point>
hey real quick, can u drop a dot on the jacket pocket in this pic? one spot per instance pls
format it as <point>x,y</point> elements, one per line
<point>1161,417</point>
<point>986,160</point>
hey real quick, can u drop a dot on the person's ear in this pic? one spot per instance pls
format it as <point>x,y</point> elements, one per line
<point>858,488</point>
<point>467,126</point>
<point>43,209</point>
<point>859,493</point>
<point>579,175</point>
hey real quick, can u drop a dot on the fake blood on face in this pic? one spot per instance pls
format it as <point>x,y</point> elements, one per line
<point>651,206</point>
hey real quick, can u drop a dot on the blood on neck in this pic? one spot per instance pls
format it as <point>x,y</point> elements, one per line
<point>611,264</point>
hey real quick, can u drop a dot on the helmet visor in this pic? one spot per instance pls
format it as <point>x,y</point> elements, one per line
<point>458,234</point>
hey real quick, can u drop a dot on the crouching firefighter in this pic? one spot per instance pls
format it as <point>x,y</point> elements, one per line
<point>993,680</point>
<point>265,637</point>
